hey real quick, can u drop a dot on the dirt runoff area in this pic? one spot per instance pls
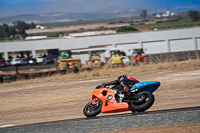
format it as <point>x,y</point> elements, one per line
<point>62,97</point>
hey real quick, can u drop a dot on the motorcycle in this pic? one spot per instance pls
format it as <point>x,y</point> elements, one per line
<point>110,100</point>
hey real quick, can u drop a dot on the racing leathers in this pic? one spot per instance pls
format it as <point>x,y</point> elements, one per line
<point>123,85</point>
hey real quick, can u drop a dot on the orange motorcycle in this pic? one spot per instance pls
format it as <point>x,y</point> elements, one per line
<point>110,100</point>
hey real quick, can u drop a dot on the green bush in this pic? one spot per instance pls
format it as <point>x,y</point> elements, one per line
<point>126,29</point>
<point>194,15</point>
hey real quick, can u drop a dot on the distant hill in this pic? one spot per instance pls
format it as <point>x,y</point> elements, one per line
<point>66,17</point>
<point>68,10</point>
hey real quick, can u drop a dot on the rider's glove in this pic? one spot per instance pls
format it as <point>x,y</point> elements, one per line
<point>104,84</point>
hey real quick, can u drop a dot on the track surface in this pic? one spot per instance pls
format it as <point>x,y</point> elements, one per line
<point>55,98</point>
<point>112,122</point>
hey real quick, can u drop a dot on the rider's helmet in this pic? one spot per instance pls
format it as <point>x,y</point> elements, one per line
<point>122,77</point>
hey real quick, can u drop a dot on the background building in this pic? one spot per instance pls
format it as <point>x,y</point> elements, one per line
<point>153,42</point>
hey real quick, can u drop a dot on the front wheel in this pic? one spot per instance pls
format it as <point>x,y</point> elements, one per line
<point>91,109</point>
<point>144,101</point>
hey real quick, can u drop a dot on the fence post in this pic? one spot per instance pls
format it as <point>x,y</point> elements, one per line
<point>17,69</point>
<point>197,54</point>
<point>196,47</point>
<point>168,46</point>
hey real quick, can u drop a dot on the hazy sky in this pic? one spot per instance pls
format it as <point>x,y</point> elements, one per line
<point>166,1</point>
<point>13,1</point>
<point>19,1</point>
<point>16,7</point>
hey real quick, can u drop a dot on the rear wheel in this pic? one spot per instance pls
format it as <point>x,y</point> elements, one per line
<point>91,110</point>
<point>144,101</point>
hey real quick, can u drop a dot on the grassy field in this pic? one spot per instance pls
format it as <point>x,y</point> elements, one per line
<point>181,15</point>
<point>82,22</point>
<point>165,25</point>
<point>160,26</point>
<point>180,21</point>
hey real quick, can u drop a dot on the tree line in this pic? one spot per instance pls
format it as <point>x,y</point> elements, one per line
<point>194,15</point>
<point>18,29</point>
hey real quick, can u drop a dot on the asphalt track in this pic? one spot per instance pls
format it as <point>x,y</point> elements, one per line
<point>111,122</point>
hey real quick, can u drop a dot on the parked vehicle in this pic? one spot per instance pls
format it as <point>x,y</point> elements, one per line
<point>8,62</point>
<point>32,61</point>
<point>109,100</point>
<point>24,61</point>
<point>15,61</point>
<point>94,60</point>
<point>139,56</point>
<point>40,59</point>
<point>126,60</point>
<point>55,57</point>
<point>2,62</point>
<point>66,62</point>
<point>48,60</point>
<point>116,59</point>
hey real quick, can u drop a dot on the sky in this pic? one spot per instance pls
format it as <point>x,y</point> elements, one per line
<point>13,1</point>
<point>19,1</point>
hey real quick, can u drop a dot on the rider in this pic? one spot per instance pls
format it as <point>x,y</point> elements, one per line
<point>122,83</point>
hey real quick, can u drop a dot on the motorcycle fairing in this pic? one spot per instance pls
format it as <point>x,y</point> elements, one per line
<point>149,86</point>
<point>109,106</point>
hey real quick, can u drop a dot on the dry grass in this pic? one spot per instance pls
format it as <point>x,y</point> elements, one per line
<point>113,72</point>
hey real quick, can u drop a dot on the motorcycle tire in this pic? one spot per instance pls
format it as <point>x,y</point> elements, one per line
<point>145,104</point>
<point>94,112</point>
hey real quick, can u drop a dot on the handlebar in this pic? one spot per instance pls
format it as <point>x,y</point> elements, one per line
<point>99,86</point>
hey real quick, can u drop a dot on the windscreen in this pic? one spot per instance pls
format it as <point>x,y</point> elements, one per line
<point>138,51</point>
<point>64,54</point>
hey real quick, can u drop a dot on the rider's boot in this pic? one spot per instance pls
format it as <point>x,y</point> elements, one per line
<point>121,97</point>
